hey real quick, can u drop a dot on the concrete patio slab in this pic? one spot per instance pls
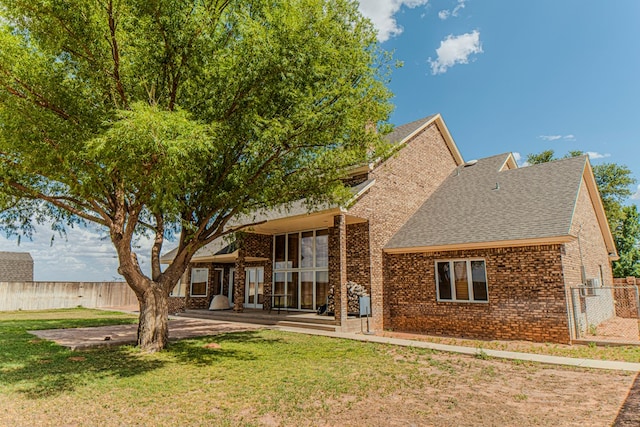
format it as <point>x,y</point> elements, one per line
<point>101,336</point>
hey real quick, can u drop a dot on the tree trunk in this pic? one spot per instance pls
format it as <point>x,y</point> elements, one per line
<point>153,326</point>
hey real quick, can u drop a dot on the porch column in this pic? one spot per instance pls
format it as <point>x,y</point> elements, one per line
<point>239,283</point>
<point>338,267</point>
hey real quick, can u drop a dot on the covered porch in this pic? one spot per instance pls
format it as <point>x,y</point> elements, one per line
<point>296,262</point>
<point>292,319</point>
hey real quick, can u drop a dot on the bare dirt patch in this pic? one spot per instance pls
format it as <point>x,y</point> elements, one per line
<point>616,329</point>
<point>464,391</point>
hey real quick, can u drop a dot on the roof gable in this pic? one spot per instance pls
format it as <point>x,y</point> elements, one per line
<point>402,134</point>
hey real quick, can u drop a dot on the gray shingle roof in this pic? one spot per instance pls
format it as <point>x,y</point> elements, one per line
<point>531,202</point>
<point>399,133</point>
<point>15,256</point>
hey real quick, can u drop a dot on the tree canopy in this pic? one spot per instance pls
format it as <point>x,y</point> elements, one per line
<point>177,116</point>
<point>613,181</point>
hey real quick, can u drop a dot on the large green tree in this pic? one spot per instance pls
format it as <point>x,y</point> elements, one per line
<point>165,116</point>
<point>613,181</point>
<point>628,243</point>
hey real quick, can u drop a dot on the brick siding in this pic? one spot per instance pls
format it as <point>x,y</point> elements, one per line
<point>253,245</point>
<point>525,287</point>
<point>176,304</point>
<point>588,250</point>
<point>403,183</point>
<point>358,257</point>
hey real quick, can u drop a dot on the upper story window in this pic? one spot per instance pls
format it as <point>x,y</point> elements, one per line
<point>303,250</point>
<point>462,280</point>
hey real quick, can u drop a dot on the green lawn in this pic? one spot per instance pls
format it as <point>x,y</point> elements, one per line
<point>268,377</point>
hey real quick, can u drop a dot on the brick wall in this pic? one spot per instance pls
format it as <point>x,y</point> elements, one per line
<point>259,246</point>
<point>213,286</point>
<point>525,287</point>
<point>403,183</point>
<point>176,304</point>
<point>358,257</point>
<point>626,297</point>
<point>588,250</point>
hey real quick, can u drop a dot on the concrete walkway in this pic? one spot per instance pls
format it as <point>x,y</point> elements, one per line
<point>512,355</point>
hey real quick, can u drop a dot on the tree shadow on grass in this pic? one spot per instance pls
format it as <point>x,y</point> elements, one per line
<point>39,368</point>
<point>197,352</point>
<point>59,370</point>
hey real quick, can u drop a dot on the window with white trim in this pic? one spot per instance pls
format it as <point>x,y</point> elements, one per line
<point>463,280</point>
<point>199,282</point>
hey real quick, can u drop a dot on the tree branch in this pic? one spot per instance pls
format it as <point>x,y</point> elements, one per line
<point>38,99</point>
<point>57,201</point>
<point>115,54</point>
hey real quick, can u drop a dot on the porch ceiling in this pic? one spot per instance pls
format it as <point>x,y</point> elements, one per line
<point>323,219</point>
<point>229,258</point>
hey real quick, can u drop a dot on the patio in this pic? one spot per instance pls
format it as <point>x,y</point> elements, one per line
<point>294,319</point>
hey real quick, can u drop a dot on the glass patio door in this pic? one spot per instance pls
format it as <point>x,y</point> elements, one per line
<point>254,287</point>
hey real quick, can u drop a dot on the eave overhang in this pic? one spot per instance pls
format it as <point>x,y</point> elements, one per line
<point>482,245</point>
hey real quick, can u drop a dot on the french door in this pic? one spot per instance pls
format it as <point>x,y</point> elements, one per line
<point>254,287</point>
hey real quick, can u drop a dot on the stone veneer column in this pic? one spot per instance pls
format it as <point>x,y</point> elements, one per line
<point>239,283</point>
<point>338,267</point>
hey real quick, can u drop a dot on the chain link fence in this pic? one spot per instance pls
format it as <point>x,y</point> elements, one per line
<point>606,313</point>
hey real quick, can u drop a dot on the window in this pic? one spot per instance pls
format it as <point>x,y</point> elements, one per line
<point>301,268</point>
<point>461,280</point>
<point>199,282</point>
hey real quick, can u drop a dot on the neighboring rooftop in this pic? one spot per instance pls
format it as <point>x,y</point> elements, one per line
<point>15,256</point>
<point>489,201</point>
<point>16,267</point>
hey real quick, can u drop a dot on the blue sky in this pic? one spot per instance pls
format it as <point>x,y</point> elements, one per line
<point>507,76</point>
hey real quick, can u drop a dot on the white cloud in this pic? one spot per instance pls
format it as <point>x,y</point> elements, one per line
<point>636,196</point>
<point>550,137</point>
<point>569,137</point>
<point>459,6</point>
<point>444,14</point>
<point>85,254</point>
<point>519,160</point>
<point>455,50</point>
<point>382,12</point>
<point>595,155</point>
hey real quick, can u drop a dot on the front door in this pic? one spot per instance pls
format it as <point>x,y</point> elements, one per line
<point>254,287</point>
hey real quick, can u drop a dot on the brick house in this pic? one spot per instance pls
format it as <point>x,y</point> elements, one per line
<point>16,267</point>
<point>518,236</point>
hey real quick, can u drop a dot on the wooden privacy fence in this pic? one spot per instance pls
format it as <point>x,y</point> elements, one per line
<point>48,295</point>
